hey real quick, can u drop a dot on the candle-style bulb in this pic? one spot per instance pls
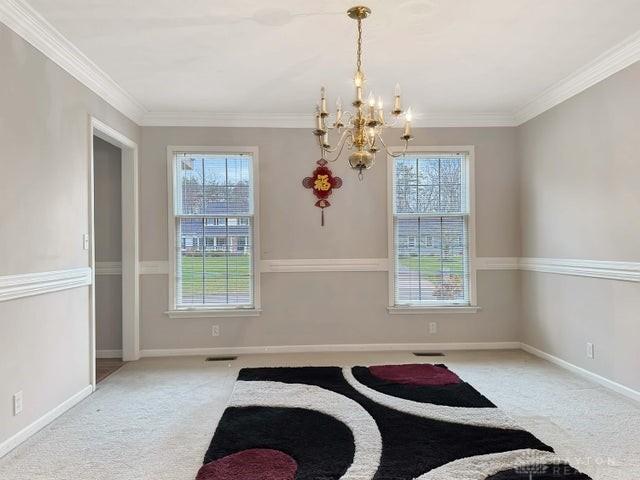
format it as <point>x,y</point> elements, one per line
<point>372,99</point>
<point>380,103</point>
<point>339,103</point>
<point>409,115</point>
<point>323,101</point>
<point>398,91</point>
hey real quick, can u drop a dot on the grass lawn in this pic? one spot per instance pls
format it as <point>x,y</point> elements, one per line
<point>430,265</point>
<point>215,274</point>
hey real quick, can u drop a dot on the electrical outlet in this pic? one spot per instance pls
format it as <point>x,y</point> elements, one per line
<point>433,328</point>
<point>590,350</point>
<point>17,403</point>
<point>85,241</point>
<point>215,330</point>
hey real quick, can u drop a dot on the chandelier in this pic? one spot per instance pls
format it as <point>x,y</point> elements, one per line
<point>360,130</point>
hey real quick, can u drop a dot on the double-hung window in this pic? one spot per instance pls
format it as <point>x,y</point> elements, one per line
<point>213,234</point>
<point>431,229</point>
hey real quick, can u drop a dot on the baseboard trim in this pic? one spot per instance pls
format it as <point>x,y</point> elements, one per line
<point>600,380</point>
<point>46,419</point>
<point>108,353</point>
<point>372,347</point>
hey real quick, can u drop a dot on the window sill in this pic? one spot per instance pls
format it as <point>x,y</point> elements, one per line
<point>211,313</point>
<point>435,309</point>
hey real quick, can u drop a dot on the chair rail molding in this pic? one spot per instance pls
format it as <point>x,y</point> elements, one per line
<point>108,268</point>
<point>325,265</point>
<point>623,271</point>
<point>154,267</point>
<point>29,284</point>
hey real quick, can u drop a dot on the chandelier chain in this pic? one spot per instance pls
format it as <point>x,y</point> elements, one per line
<point>359,50</point>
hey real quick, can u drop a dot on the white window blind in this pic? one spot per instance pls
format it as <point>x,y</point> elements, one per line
<point>214,219</point>
<point>431,229</point>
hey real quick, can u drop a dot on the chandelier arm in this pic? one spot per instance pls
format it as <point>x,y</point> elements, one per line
<point>335,149</point>
<point>339,146</point>
<point>392,154</point>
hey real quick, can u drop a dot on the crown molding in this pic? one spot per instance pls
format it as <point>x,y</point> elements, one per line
<point>20,17</point>
<point>612,61</point>
<point>212,119</point>
<point>299,120</point>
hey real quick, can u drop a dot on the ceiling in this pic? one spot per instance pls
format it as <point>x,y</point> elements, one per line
<point>257,57</point>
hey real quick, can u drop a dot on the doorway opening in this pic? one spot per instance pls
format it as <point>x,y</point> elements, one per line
<point>113,250</point>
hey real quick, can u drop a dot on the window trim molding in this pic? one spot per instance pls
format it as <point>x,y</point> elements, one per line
<point>174,312</point>
<point>473,292</point>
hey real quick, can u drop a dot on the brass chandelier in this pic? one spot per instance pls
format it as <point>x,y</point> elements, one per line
<point>361,129</point>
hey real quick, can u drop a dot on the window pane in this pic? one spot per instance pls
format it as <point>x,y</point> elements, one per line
<point>428,171</point>
<point>406,199</point>
<point>428,199</point>
<point>431,260</point>
<point>213,184</point>
<point>189,185</point>
<point>406,171</point>
<point>216,266</point>
<point>438,183</point>
<point>190,268</point>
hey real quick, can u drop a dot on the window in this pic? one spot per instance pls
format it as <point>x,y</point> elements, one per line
<point>214,230</point>
<point>431,229</point>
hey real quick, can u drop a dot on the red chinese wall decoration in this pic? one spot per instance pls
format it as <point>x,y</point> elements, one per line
<point>322,182</point>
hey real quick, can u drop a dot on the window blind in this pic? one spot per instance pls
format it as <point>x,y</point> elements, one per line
<point>431,229</point>
<point>214,230</point>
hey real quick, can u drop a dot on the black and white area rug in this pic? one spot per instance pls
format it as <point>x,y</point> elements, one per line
<point>387,422</point>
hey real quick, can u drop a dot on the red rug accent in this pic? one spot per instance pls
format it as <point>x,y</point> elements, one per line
<point>415,374</point>
<point>253,464</point>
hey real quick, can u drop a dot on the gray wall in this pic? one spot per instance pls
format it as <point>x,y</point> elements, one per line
<point>44,199</point>
<point>108,241</point>
<point>356,227</point>
<point>580,172</point>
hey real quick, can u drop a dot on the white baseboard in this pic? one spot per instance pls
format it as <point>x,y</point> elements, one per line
<point>46,419</point>
<point>374,347</point>
<point>108,353</point>
<point>605,382</point>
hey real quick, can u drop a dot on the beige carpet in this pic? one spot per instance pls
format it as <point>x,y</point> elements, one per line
<point>153,419</point>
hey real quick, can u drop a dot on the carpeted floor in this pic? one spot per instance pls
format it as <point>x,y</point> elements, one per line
<point>153,419</point>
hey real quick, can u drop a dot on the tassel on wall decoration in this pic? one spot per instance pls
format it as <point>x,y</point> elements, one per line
<point>322,182</point>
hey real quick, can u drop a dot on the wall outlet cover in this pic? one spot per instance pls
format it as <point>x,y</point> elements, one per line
<point>215,330</point>
<point>433,328</point>
<point>17,403</point>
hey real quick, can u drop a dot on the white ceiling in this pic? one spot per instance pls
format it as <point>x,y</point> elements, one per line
<point>257,57</point>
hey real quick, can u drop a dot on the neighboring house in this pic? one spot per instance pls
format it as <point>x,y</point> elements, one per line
<point>215,235</point>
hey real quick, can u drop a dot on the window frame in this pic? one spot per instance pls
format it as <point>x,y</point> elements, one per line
<point>472,307</point>
<point>210,310</point>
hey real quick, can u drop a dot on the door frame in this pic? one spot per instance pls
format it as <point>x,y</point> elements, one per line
<point>130,242</point>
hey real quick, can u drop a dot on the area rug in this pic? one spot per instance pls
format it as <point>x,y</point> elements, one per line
<point>388,422</point>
